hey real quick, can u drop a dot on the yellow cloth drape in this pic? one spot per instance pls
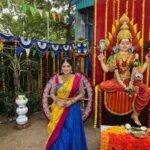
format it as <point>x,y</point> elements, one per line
<point>63,93</point>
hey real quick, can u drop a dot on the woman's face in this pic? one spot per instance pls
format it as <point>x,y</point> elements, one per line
<point>124,45</point>
<point>66,68</point>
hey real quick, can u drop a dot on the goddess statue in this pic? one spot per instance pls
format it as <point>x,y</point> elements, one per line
<point>127,72</point>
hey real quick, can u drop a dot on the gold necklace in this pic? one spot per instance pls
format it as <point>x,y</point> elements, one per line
<point>67,77</point>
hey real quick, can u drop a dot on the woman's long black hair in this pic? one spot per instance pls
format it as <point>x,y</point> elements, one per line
<point>69,61</point>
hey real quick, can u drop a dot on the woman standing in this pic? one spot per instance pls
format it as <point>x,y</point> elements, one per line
<point>66,129</point>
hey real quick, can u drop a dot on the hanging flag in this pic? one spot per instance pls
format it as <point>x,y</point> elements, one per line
<point>59,17</point>
<point>19,50</point>
<point>70,20</point>
<point>27,51</point>
<point>40,12</point>
<point>52,54</point>
<point>47,54</point>
<point>34,52</point>
<point>24,8</point>
<point>35,9</point>
<point>32,10</point>
<point>47,14</point>
<point>54,16</point>
<point>65,19</point>
<point>74,21</point>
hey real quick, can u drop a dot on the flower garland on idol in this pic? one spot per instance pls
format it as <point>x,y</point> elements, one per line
<point>129,88</point>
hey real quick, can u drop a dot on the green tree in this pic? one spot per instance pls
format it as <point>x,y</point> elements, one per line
<point>35,26</point>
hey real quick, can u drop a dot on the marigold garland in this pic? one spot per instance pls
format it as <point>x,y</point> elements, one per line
<point>96,106</point>
<point>47,56</point>
<point>2,62</point>
<point>114,8</point>
<point>127,3</point>
<point>132,9</point>
<point>147,78</point>
<point>148,67</point>
<point>15,46</point>
<point>95,40</point>
<point>105,135</point>
<point>129,88</point>
<point>106,28</point>
<point>118,10</point>
<point>143,17</point>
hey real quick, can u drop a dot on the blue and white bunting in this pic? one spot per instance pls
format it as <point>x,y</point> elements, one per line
<point>55,47</point>
<point>73,45</point>
<point>25,43</point>
<point>66,47</point>
<point>42,46</point>
<point>7,37</point>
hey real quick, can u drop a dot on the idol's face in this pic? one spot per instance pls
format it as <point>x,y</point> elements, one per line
<point>66,68</point>
<point>124,45</point>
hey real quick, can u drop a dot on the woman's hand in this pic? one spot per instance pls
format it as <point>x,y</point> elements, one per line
<point>68,103</point>
<point>60,103</point>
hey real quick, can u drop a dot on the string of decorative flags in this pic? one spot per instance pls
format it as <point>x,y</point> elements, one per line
<point>56,17</point>
<point>44,48</point>
<point>41,46</point>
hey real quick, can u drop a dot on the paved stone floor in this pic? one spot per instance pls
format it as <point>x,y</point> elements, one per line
<point>34,137</point>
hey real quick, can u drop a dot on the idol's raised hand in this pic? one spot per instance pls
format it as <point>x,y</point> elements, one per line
<point>100,57</point>
<point>147,57</point>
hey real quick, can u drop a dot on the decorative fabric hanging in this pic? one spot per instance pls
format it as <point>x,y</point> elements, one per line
<point>65,47</point>
<point>53,57</point>
<point>42,46</point>
<point>59,17</point>
<point>24,8</point>
<point>6,37</point>
<point>33,52</point>
<point>61,54</point>
<point>19,50</point>
<point>25,43</point>
<point>55,47</point>
<point>87,65</point>
<point>82,48</point>
<point>54,16</point>
<point>32,10</point>
<point>73,46</point>
<point>27,51</point>
<point>40,12</point>
<point>65,19</point>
